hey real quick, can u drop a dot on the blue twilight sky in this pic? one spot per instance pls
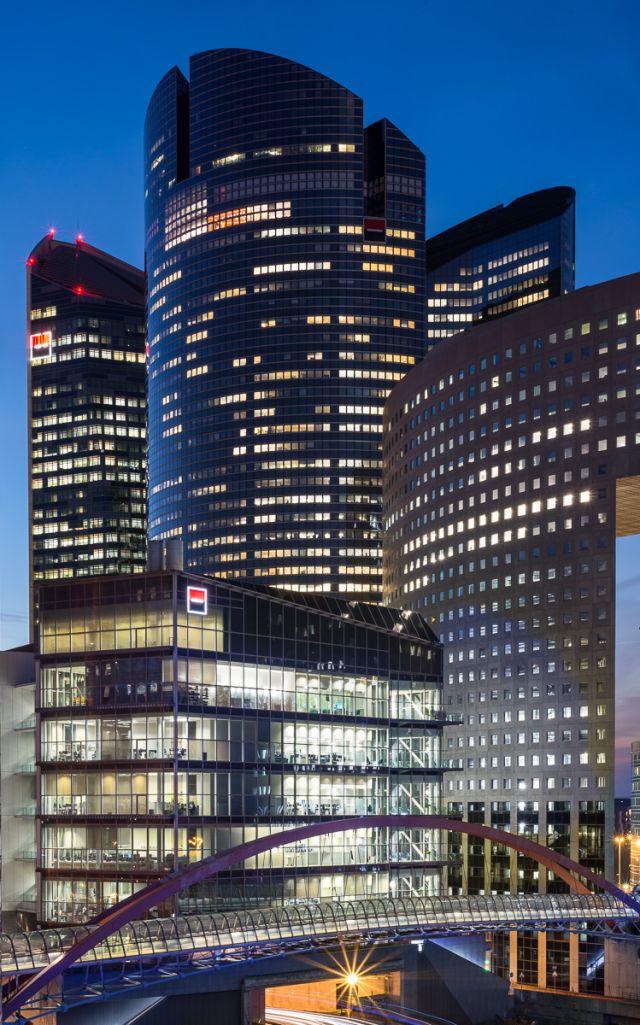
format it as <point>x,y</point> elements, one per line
<point>503,97</point>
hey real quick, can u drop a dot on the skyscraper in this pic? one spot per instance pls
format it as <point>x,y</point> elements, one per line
<point>285,259</point>
<point>87,412</point>
<point>500,261</point>
<point>512,457</point>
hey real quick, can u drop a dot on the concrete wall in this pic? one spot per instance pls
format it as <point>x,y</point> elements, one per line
<point>547,1008</point>
<point>622,970</point>
<point>453,987</point>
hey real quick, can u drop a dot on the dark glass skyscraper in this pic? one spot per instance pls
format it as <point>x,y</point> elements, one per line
<point>87,412</point>
<point>501,260</point>
<point>285,258</point>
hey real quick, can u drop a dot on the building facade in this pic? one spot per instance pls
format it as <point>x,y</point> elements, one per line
<point>634,873</point>
<point>17,788</point>
<point>500,261</point>
<point>635,787</point>
<point>87,412</point>
<point>512,456</point>
<point>285,259</point>
<point>178,716</point>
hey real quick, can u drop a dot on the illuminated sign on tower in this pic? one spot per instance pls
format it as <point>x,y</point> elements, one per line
<point>40,345</point>
<point>197,600</point>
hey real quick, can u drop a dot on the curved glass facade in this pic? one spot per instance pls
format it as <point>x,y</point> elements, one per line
<point>285,260</point>
<point>500,261</point>
<point>178,716</point>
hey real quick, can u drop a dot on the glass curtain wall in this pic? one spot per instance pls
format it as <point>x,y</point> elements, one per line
<point>167,735</point>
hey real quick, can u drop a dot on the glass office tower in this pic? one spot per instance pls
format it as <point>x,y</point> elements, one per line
<point>87,412</point>
<point>178,716</point>
<point>285,259</point>
<point>500,261</point>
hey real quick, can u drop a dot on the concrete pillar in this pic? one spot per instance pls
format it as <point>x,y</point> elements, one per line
<point>513,872</point>
<point>542,960</point>
<point>465,863</point>
<point>253,1005</point>
<point>513,957</point>
<point>574,849</point>
<point>621,973</point>
<point>487,866</point>
<point>574,962</point>
<point>409,994</point>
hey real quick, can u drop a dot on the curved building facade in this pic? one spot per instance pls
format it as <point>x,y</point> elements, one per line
<point>87,412</point>
<point>285,260</point>
<point>501,260</point>
<point>512,456</point>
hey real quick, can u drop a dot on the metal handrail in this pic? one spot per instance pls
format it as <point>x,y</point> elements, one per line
<point>189,933</point>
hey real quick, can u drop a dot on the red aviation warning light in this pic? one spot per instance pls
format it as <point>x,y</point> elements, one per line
<point>40,345</point>
<point>197,600</point>
<point>31,260</point>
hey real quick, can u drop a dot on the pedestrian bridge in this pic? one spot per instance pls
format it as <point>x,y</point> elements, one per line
<point>232,935</point>
<point>151,951</point>
<point>121,949</point>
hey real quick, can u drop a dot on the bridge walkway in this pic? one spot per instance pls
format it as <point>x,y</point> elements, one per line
<point>244,931</point>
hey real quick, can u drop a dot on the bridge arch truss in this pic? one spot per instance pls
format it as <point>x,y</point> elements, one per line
<point>122,939</point>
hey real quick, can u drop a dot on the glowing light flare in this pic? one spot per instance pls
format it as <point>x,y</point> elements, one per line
<point>351,971</point>
<point>51,232</point>
<point>31,260</point>
<point>79,289</point>
<point>79,238</point>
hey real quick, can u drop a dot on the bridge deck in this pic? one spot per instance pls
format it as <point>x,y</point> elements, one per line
<point>266,929</point>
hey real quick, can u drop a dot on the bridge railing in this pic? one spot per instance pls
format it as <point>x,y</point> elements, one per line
<point>21,952</point>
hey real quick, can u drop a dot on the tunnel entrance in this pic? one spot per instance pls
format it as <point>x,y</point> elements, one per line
<point>333,994</point>
<point>327,984</point>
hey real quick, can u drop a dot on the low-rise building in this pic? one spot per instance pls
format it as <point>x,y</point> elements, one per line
<point>178,716</point>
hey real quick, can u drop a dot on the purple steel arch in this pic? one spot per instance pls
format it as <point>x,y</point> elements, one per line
<point>134,907</point>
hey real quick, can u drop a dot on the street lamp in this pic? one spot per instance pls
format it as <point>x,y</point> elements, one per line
<point>618,841</point>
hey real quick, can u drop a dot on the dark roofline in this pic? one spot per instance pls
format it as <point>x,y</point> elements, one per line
<point>51,259</point>
<point>362,613</point>
<point>499,221</point>
<point>202,54</point>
